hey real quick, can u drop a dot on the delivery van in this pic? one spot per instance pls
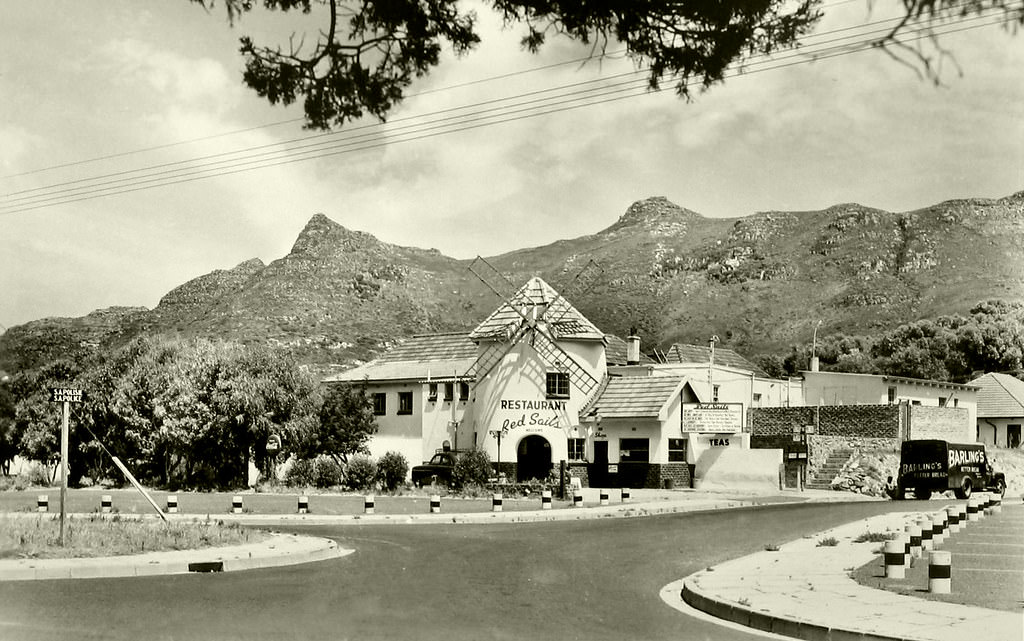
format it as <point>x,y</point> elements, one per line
<point>930,465</point>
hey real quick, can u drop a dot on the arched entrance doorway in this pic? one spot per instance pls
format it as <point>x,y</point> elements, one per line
<point>533,458</point>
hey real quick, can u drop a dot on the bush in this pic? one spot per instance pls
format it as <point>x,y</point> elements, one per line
<point>319,472</point>
<point>391,470</point>
<point>361,472</point>
<point>472,467</point>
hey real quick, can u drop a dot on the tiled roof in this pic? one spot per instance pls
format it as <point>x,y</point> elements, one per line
<point>725,357</point>
<point>537,297</point>
<point>1000,396</point>
<point>615,351</point>
<point>437,356</point>
<point>637,396</point>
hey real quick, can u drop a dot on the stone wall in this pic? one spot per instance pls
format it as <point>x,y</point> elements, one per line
<point>878,421</point>
<point>946,423</point>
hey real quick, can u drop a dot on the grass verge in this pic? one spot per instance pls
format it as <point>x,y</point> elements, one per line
<point>111,535</point>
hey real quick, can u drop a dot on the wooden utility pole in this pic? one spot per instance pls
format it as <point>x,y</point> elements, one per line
<point>65,396</point>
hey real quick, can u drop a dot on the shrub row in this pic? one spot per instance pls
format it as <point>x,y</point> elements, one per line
<point>359,473</point>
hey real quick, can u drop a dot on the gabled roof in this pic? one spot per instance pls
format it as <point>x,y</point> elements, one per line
<point>1000,396</point>
<point>637,396</point>
<point>434,356</point>
<point>537,299</point>
<point>698,354</point>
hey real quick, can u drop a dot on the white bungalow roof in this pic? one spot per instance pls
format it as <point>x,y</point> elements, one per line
<point>999,396</point>
<point>637,396</point>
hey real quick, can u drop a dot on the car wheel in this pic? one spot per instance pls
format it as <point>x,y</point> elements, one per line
<point>1001,487</point>
<point>964,492</point>
<point>922,494</point>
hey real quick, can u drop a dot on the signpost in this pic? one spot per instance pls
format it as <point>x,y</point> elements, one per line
<point>65,396</point>
<point>497,434</point>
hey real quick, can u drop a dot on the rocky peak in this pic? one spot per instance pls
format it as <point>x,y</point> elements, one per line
<point>322,233</point>
<point>657,215</point>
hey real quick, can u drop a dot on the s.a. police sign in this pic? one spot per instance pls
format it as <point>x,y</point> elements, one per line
<point>66,395</point>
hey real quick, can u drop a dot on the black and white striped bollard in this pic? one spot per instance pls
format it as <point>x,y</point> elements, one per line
<point>577,499</point>
<point>236,504</point>
<point>545,500</point>
<point>925,524</point>
<point>625,495</point>
<point>369,502</point>
<point>106,503</point>
<point>303,506</point>
<point>496,501</point>
<point>604,497</point>
<point>972,509</point>
<point>895,560</point>
<point>953,520</point>
<point>172,504</point>
<point>43,503</point>
<point>914,543</point>
<point>435,503</point>
<point>939,572</point>
<point>938,528</point>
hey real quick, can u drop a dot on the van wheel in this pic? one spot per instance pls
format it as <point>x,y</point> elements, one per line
<point>964,492</point>
<point>922,494</point>
<point>1001,487</point>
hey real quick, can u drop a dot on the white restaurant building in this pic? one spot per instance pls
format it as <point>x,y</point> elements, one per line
<point>536,383</point>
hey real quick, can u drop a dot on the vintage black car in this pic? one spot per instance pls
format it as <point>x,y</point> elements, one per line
<point>437,470</point>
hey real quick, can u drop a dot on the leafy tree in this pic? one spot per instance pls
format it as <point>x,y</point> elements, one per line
<point>368,52</point>
<point>392,469</point>
<point>345,427</point>
<point>472,468</point>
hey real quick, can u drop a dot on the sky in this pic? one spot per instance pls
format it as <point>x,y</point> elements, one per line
<point>105,103</point>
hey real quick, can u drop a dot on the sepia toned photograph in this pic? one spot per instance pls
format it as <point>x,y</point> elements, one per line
<point>694,320</point>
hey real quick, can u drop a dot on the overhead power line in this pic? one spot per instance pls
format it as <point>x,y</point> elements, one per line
<point>530,105</point>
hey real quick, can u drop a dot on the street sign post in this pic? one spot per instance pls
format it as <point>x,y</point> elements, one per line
<point>65,396</point>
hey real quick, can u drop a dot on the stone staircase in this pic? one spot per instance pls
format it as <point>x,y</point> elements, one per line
<point>822,479</point>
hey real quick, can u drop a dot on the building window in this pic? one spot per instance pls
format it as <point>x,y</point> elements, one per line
<point>714,393</point>
<point>558,385</point>
<point>634,450</point>
<point>892,395</point>
<point>577,449</point>
<point>463,391</point>
<point>449,392</point>
<point>677,450</point>
<point>956,402</point>
<point>942,401</point>
<point>757,399</point>
<point>432,392</point>
<point>380,404</point>
<point>405,402</point>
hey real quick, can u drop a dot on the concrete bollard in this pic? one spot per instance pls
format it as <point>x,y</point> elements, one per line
<point>435,503</point>
<point>42,503</point>
<point>577,499</point>
<point>236,504</point>
<point>369,501</point>
<point>938,528</point>
<point>303,506</point>
<point>927,543</point>
<point>953,519</point>
<point>895,558</point>
<point>496,501</point>
<point>106,503</point>
<point>172,504</point>
<point>914,543</point>
<point>545,500</point>
<point>625,495</point>
<point>997,503</point>
<point>939,572</point>
<point>961,515</point>
<point>972,509</point>
<point>604,497</point>
<point>987,506</point>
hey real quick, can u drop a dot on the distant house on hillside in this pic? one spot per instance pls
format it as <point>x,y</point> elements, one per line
<point>1000,409</point>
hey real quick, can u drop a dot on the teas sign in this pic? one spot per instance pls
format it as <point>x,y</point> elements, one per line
<point>66,395</point>
<point>712,417</point>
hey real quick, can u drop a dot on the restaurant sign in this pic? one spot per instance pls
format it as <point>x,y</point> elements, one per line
<point>722,418</point>
<point>535,414</point>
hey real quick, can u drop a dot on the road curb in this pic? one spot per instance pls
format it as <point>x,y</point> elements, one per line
<point>278,550</point>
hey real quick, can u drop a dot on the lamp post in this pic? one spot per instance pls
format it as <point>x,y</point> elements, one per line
<point>814,346</point>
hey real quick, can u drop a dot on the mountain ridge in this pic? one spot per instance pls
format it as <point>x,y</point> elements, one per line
<point>760,282</point>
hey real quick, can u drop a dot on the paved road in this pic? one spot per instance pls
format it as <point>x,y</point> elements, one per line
<point>569,580</point>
